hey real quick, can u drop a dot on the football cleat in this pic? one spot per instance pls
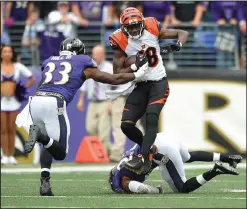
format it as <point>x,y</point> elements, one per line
<point>234,160</point>
<point>139,165</point>
<point>224,168</point>
<point>34,133</point>
<point>45,188</point>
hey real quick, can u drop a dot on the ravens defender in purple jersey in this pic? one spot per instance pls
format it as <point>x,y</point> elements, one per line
<point>170,159</point>
<point>62,76</point>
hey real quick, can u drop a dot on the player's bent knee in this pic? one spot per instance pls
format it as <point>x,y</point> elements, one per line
<point>126,126</point>
<point>60,156</point>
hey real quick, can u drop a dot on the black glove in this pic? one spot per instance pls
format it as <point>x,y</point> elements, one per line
<point>168,48</point>
<point>141,59</point>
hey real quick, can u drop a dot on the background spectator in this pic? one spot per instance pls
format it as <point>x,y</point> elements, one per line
<point>45,8</point>
<point>29,38</point>
<point>64,19</point>
<point>187,11</point>
<point>49,39</point>
<point>98,115</point>
<point>4,33</point>
<point>19,10</point>
<point>91,11</point>
<point>160,10</point>
<point>226,13</point>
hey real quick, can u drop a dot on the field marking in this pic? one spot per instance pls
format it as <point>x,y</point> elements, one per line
<point>103,180</point>
<point>106,168</point>
<point>234,190</point>
<point>128,197</point>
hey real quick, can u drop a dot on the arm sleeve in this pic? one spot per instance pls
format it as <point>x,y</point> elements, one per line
<point>24,70</point>
<point>113,44</point>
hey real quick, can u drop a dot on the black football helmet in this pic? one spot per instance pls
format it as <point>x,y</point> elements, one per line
<point>74,45</point>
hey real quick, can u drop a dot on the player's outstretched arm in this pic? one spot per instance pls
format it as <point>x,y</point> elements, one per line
<point>181,35</point>
<point>114,79</point>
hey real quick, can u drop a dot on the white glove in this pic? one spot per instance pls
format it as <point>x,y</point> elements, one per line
<point>141,72</point>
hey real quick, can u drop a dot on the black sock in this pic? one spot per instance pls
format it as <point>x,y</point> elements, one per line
<point>224,158</point>
<point>196,182</point>
<point>209,175</point>
<point>151,132</point>
<point>201,156</point>
<point>148,141</point>
<point>45,162</point>
<point>56,150</point>
<point>132,132</point>
<point>190,185</point>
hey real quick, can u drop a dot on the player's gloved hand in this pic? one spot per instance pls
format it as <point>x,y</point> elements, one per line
<point>168,48</point>
<point>141,72</point>
<point>141,59</point>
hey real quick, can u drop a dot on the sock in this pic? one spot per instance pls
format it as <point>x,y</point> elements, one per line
<point>45,162</point>
<point>148,141</point>
<point>140,188</point>
<point>224,158</point>
<point>56,150</point>
<point>196,182</point>
<point>201,156</point>
<point>151,132</point>
<point>132,132</point>
<point>209,175</point>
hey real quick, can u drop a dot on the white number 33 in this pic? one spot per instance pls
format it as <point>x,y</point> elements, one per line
<point>65,73</point>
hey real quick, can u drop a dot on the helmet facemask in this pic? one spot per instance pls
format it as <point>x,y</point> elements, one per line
<point>133,30</point>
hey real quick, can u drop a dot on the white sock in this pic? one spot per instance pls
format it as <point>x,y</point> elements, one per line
<point>45,169</point>
<point>140,188</point>
<point>49,143</point>
<point>201,180</point>
<point>216,156</point>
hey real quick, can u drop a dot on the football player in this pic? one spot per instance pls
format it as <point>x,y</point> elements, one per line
<point>62,76</point>
<point>138,36</point>
<point>170,159</point>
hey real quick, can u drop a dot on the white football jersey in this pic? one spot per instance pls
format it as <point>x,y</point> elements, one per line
<point>149,38</point>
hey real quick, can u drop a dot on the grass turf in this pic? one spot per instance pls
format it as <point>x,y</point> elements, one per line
<point>90,189</point>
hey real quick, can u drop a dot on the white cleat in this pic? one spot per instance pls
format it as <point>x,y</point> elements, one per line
<point>4,160</point>
<point>12,160</point>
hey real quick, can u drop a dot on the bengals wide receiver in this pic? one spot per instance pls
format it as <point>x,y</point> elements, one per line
<point>140,36</point>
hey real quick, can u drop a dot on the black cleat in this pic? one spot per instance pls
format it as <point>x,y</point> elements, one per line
<point>139,165</point>
<point>45,188</point>
<point>234,160</point>
<point>34,133</point>
<point>224,168</point>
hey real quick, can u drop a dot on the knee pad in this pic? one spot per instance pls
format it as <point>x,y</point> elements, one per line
<point>126,127</point>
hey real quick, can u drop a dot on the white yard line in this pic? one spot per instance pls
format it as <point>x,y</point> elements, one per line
<point>93,168</point>
<point>126,197</point>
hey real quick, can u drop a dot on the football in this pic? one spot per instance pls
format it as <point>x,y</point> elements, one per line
<point>129,61</point>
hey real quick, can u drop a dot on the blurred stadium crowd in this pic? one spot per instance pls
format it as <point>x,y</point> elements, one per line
<point>216,28</point>
<point>35,29</point>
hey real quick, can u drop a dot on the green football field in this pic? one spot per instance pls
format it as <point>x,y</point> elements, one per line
<point>89,188</point>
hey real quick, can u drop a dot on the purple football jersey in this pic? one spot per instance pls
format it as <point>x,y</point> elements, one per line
<point>64,74</point>
<point>19,10</point>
